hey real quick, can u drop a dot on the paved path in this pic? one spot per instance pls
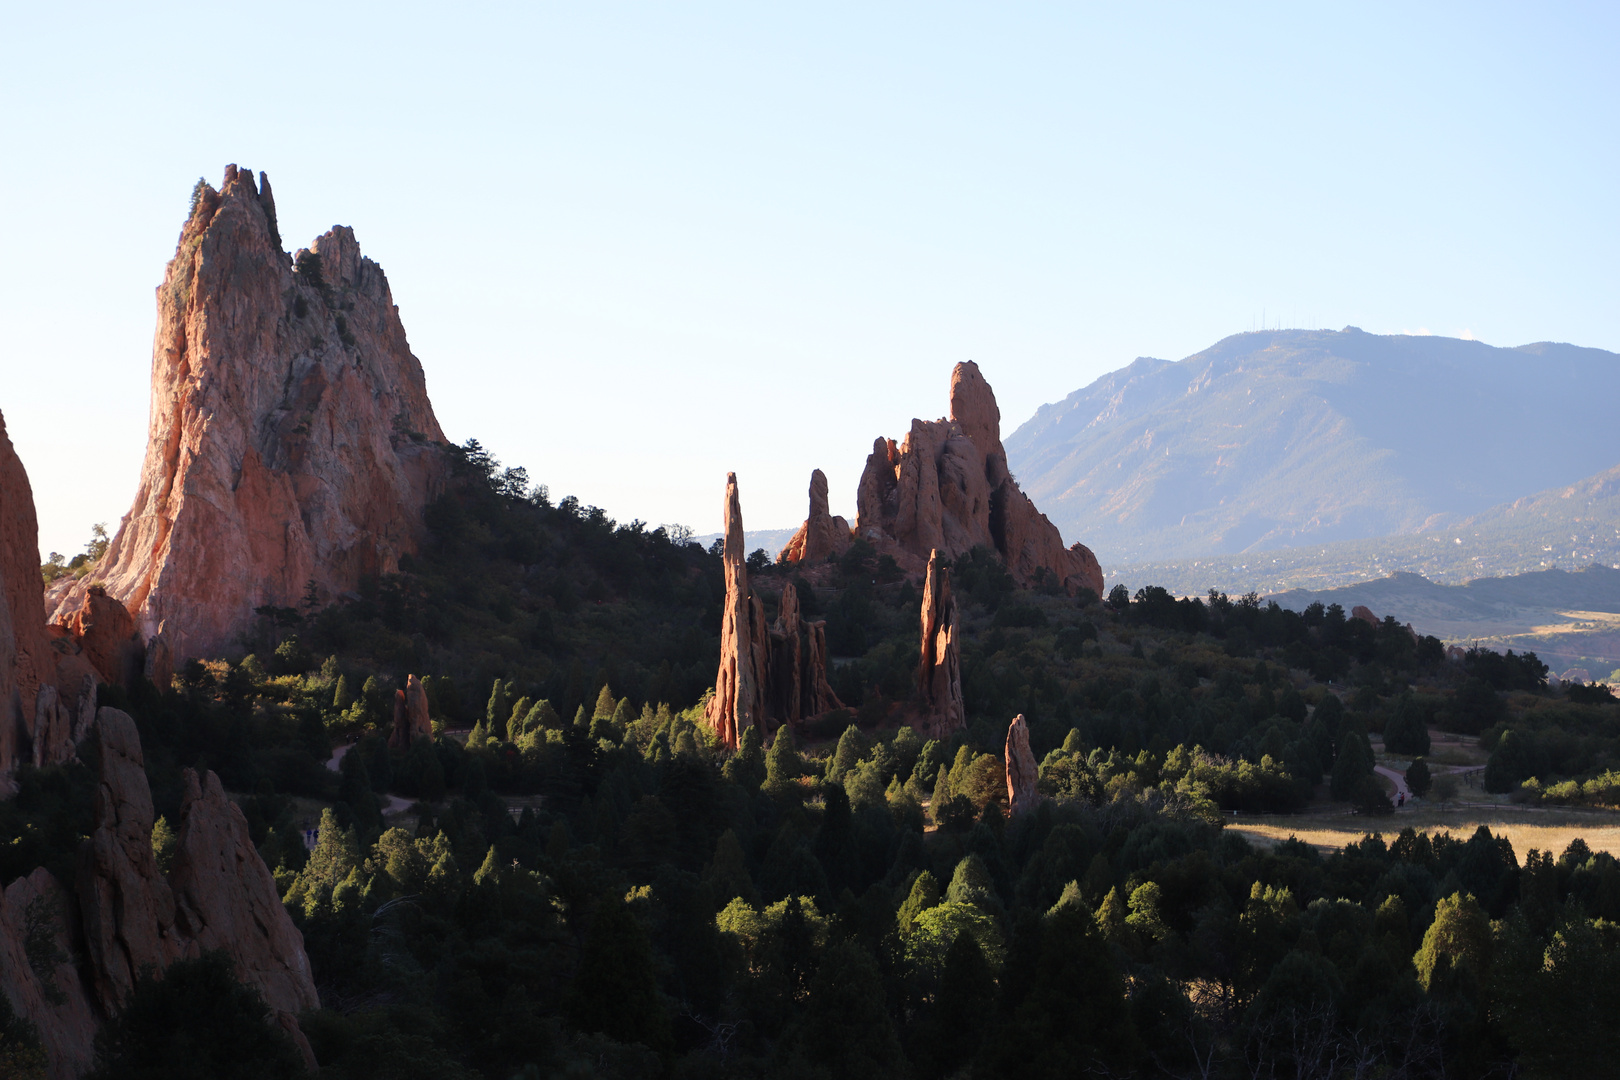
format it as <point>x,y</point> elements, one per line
<point>1400,781</point>
<point>391,804</point>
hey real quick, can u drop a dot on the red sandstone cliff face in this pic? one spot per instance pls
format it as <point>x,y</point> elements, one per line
<point>946,487</point>
<point>26,659</point>
<point>821,534</point>
<point>291,439</point>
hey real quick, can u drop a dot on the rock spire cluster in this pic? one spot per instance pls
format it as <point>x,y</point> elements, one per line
<point>411,720</point>
<point>775,672</point>
<point>129,914</point>
<point>939,667</point>
<point>946,487</point>
<point>291,444</point>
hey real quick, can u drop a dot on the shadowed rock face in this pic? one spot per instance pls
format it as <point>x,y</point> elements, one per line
<point>946,487</point>
<point>26,659</point>
<point>128,914</point>
<point>291,439</point>
<point>939,666</point>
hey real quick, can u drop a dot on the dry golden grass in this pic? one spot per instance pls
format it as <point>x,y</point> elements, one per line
<point>1549,831</point>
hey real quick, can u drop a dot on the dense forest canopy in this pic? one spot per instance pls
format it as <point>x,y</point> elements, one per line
<point>572,878</point>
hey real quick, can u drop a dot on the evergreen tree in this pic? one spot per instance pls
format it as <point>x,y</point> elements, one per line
<point>605,705</point>
<point>846,1029</point>
<point>1459,940</point>
<point>727,875</point>
<point>924,895</point>
<point>782,764</point>
<point>1417,778</point>
<point>614,991</point>
<point>846,756</point>
<point>342,697</point>
<point>963,1007</point>
<point>1354,762</point>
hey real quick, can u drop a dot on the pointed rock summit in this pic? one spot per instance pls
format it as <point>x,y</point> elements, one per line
<point>767,672</point>
<point>291,442</point>
<point>946,487</point>
<point>1022,773</point>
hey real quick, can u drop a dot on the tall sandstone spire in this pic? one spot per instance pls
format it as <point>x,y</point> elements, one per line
<point>290,442</point>
<point>946,487</point>
<point>939,665</point>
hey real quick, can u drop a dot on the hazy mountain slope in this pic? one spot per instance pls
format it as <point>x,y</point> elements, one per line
<point>1567,528</point>
<point>1293,437</point>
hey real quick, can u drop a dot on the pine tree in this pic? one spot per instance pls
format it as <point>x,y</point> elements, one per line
<point>924,895</point>
<point>782,764</point>
<point>605,704</point>
<point>343,697</point>
<point>847,754</point>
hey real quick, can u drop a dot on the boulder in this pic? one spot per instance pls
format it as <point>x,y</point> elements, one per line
<point>1364,613</point>
<point>225,898</point>
<point>1022,774</point>
<point>939,668</point>
<point>947,488</point>
<point>42,982</point>
<point>291,443</point>
<point>822,534</point>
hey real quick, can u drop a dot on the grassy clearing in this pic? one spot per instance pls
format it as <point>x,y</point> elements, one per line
<point>1524,828</point>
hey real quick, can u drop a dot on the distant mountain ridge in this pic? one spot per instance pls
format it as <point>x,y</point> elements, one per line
<point>1300,437</point>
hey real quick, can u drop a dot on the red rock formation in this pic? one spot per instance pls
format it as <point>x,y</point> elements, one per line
<point>127,906</point>
<point>411,721</point>
<point>774,671</point>
<point>291,440</point>
<point>818,692</point>
<point>105,632</point>
<point>54,1000</point>
<point>786,699</point>
<point>26,660</point>
<point>822,534</point>
<point>939,670</point>
<point>1022,774</point>
<point>219,895</point>
<point>225,898</point>
<point>947,488</point>
<point>1364,613</point>
<point>738,702</point>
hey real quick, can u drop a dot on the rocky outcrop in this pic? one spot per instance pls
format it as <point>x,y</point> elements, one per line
<point>738,701</point>
<point>775,671</point>
<point>38,974</point>
<point>129,915</point>
<point>225,898</point>
<point>291,443</point>
<point>1364,613</point>
<point>946,487</point>
<point>822,534</point>
<point>939,668</point>
<point>26,659</point>
<point>105,633</point>
<point>1022,774</point>
<point>125,900</point>
<point>411,720</point>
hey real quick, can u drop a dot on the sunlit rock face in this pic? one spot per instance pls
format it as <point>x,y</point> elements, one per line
<point>291,443</point>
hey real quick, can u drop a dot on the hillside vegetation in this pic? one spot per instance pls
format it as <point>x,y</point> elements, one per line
<point>586,884</point>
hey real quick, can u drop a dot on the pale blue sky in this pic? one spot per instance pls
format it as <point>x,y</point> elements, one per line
<point>637,246</point>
